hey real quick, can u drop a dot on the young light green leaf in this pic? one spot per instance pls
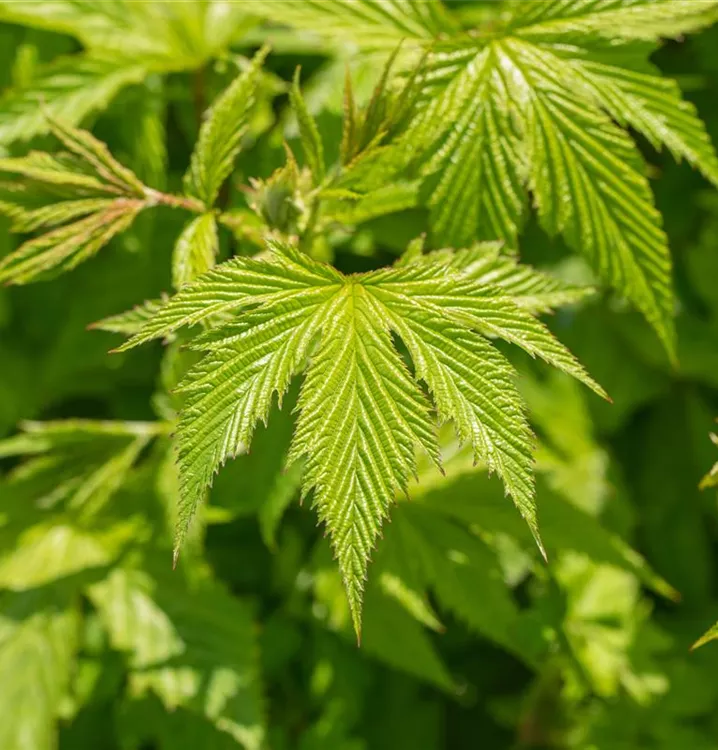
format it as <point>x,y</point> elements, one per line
<point>85,198</point>
<point>488,263</point>
<point>26,220</point>
<point>356,384</point>
<point>64,248</point>
<point>220,137</point>
<point>98,158</point>
<point>130,322</point>
<point>195,250</point>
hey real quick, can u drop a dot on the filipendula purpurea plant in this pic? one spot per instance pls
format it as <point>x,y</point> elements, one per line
<point>477,114</point>
<point>535,105</point>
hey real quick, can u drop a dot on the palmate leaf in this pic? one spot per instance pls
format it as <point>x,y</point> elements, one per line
<point>539,107</point>
<point>361,413</point>
<point>584,172</point>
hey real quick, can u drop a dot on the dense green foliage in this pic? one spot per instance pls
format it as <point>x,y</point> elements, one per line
<point>414,334</point>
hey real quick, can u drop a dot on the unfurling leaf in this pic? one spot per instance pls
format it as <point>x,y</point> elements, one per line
<point>220,138</point>
<point>195,250</point>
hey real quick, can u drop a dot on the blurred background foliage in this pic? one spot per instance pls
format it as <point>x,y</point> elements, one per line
<point>470,640</point>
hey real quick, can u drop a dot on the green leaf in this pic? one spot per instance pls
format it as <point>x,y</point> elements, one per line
<point>48,552</point>
<point>478,192</point>
<point>161,35</point>
<point>635,95</point>
<point>79,462</point>
<point>488,263</point>
<point>358,208</point>
<point>64,248</point>
<point>588,183</point>
<point>67,89</point>
<point>373,23</point>
<point>195,250</point>
<point>391,633</point>
<point>85,198</point>
<point>220,137</point>
<point>470,497</point>
<point>132,321</point>
<point>146,722</point>
<point>394,637</point>
<point>194,647</point>
<point>630,19</point>
<point>356,384</point>
<point>38,639</point>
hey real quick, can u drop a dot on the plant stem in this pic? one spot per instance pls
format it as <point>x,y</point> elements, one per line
<point>157,198</point>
